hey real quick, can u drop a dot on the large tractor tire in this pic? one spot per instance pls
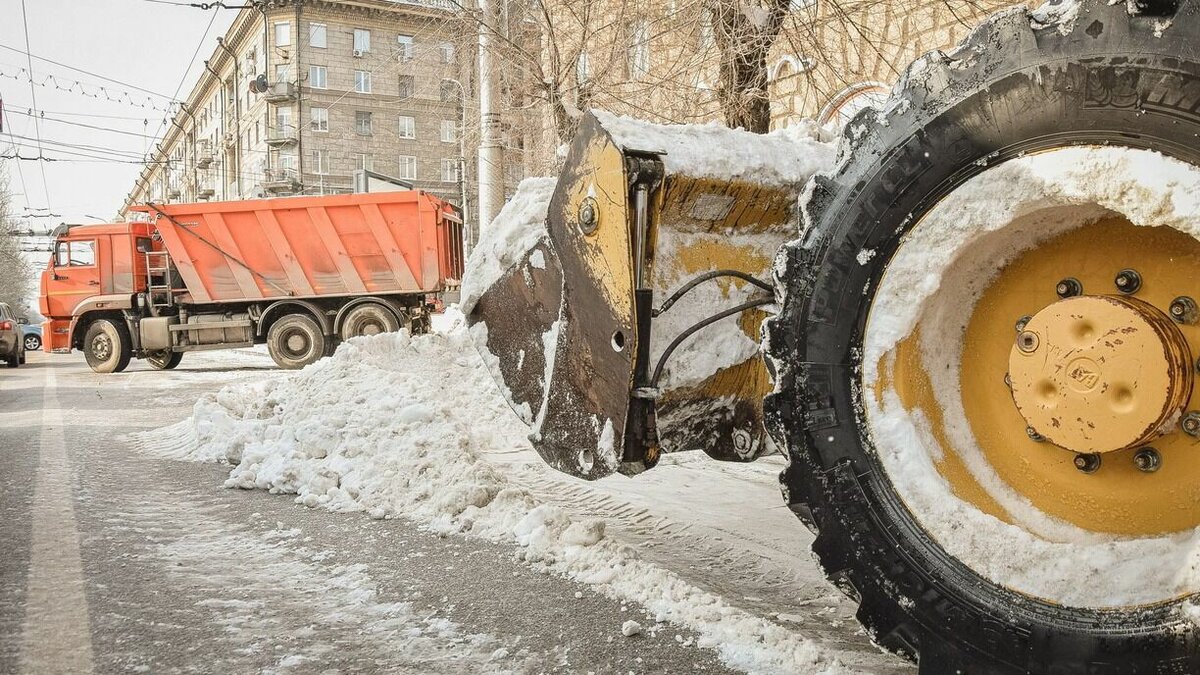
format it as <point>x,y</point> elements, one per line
<point>995,208</point>
<point>106,346</point>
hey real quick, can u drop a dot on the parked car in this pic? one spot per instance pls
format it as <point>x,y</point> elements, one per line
<point>12,344</point>
<point>31,334</point>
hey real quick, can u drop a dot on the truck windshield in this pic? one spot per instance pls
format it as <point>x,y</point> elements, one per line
<point>75,254</point>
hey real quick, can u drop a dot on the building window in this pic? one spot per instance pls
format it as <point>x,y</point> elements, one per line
<point>320,162</point>
<point>362,41</point>
<point>449,131</point>
<point>449,91</point>
<point>283,72</point>
<point>404,47</point>
<point>446,51</point>
<point>283,118</point>
<point>449,170</point>
<point>362,123</point>
<point>362,81</point>
<point>583,70</point>
<point>283,34</point>
<point>318,77</point>
<point>287,162</point>
<point>408,167</point>
<point>318,119</point>
<point>639,50</point>
<point>364,162</point>
<point>406,86</point>
<point>408,127</point>
<point>316,35</point>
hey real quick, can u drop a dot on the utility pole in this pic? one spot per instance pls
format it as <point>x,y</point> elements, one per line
<point>491,151</point>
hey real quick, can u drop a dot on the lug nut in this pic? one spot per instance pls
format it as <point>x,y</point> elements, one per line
<point>1008,380</point>
<point>1147,460</point>
<point>1034,435</point>
<point>1128,281</point>
<point>1191,423</point>
<point>1027,342</point>
<point>1069,288</point>
<point>1087,463</point>
<point>1183,309</point>
<point>1022,322</point>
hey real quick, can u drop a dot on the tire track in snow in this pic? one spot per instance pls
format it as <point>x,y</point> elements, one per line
<point>55,633</point>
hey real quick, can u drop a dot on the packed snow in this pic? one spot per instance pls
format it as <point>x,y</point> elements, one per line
<point>783,157</point>
<point>519,226</point>
<point>1031,199</point>
<point>400,426</point>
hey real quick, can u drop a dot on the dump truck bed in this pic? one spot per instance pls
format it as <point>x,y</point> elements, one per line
<point>387,242</point>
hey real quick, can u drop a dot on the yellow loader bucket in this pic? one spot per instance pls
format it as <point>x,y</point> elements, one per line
<point>630,326</point>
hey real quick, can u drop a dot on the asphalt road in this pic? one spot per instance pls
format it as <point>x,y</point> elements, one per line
<point>118,561</point>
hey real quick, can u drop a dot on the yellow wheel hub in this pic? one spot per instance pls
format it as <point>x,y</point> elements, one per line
<point>1098,373</point>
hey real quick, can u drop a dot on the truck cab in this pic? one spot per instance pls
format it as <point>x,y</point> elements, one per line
<point>93,268</point>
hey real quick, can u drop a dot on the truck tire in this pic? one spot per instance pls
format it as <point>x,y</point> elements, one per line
<point>369,318</point>
<point>1011,89</point>
<point>296,341</point>
<point>106,346</point>
<point>165,360</point>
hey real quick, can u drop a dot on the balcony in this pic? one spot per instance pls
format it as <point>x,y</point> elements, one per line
<point>281,135</point>
<point>280,92</point>
<point>173,193</point>
<point>204,155</point>
<point>205,192</point>
<point>277,181</point>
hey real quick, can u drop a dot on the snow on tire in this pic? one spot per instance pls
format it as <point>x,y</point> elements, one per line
<point>1068,81</point>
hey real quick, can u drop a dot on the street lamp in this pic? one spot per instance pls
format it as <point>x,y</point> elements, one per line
<point>468,230</point>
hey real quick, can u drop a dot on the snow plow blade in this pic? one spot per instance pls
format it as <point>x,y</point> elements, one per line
<point>630,327</point>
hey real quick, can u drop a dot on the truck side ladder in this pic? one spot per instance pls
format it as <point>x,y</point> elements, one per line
<point>158,280</point>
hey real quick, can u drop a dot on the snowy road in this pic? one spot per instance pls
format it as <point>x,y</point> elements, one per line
<point>122,561</point>
<point>118,562</point>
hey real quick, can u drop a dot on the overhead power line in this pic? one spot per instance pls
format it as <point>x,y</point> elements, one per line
<point>85,72</point>
<point>33,94</point>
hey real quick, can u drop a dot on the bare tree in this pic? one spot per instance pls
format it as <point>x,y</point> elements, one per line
<point>14,270</point>
<point>745,31</point>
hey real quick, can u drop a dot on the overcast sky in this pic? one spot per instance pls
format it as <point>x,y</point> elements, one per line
<point>144,45</point>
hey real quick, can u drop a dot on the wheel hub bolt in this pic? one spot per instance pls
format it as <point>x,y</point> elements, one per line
<point>1128,281</point>
<point>1191,423</point>
<point>1069,288</point>
<point>1088,462</point>
<point>1022,322</point>
<point>1008,380</point>
<point>1147,460</point>
<point>1183,309</point>
<point>1027,341</point>
<point>1034,435</point>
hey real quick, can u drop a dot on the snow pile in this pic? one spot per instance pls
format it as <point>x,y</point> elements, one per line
<point>946,263</point>
<point>514,231</point>
<point>396,426</point>
<point>783,157</point>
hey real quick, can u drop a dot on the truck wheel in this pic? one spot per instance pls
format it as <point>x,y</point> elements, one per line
<point>296,341</point>
<point>106,346</point>
<point>976,233</point>
<point>32,343</point>
<point>368,318</point>
<point>164,360</point>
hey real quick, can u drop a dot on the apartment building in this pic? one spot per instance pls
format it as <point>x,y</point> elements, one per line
<point>661,61</point>
<point>298,95</point>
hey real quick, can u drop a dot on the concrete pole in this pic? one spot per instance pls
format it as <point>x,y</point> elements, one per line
<point>491,150</point>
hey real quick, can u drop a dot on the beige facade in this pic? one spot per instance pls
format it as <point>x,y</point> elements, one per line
<point>350,84</point>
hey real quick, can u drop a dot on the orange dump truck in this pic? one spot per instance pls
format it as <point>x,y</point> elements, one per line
<point>298,273</point>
